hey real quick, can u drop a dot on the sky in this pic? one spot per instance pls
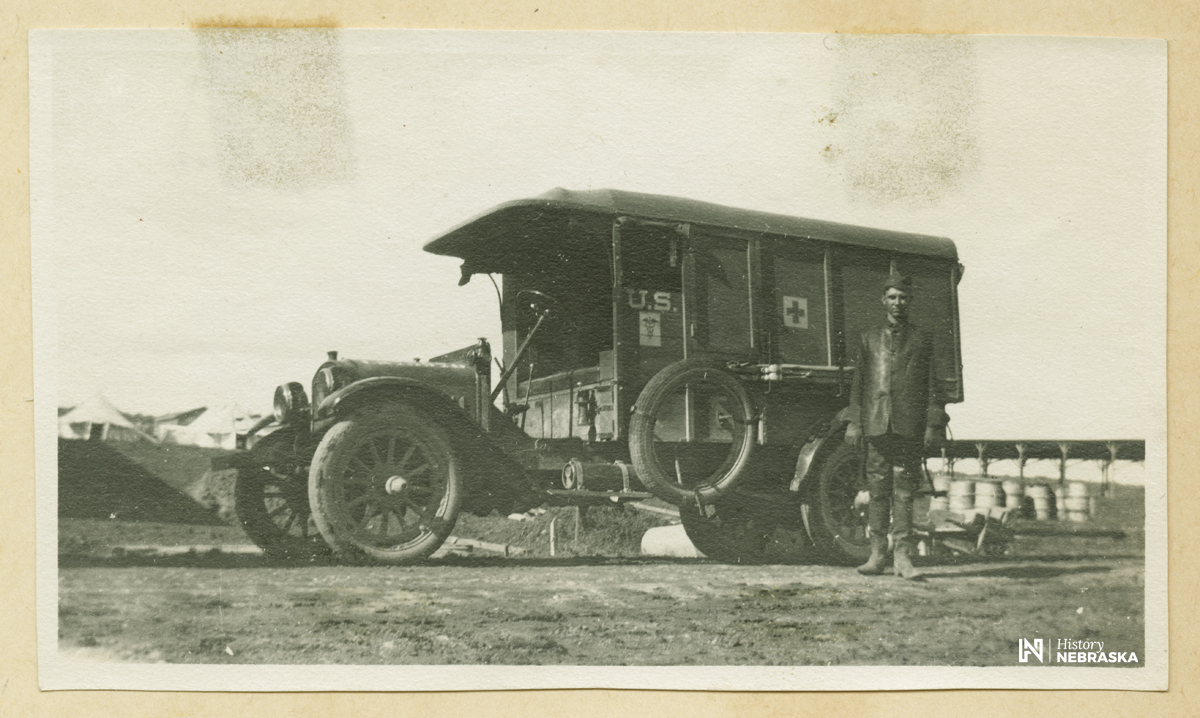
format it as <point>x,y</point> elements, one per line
<point>214,210</point>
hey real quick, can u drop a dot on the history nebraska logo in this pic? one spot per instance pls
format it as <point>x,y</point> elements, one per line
<point>1071,651</point>
<point>1027,648</point>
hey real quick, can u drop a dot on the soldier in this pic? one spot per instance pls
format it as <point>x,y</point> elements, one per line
<point>895,407</point>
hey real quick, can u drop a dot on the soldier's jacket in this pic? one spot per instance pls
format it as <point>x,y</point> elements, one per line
<point>895,385</point>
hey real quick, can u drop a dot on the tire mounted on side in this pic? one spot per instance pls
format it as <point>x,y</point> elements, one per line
<point>692,432</point>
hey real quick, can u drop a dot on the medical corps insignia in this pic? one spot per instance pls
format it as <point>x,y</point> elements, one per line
<point>795,312</point>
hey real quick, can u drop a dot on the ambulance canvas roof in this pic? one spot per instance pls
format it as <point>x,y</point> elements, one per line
<point>495,232</point>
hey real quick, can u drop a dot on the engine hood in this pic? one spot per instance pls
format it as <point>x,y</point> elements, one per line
<point>439,374</point>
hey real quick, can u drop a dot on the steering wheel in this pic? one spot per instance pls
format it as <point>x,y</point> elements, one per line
<point>539,302</point>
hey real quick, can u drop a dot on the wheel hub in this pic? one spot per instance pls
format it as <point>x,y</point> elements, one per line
<point>395,485</point>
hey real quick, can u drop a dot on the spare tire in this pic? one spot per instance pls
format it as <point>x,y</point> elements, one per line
<point>692,432</point>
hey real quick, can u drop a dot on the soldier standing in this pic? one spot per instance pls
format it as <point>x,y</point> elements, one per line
<point>895,407</point>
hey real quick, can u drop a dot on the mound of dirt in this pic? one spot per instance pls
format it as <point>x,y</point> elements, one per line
<point>178,465</point>
<point>96,480</point>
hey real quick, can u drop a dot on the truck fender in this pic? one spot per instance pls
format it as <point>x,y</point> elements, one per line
<point>345,401</point>
<point>819,443</point>
<point>494,479</point>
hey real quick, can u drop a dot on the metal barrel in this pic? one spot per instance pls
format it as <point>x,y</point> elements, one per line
<point>962,495</point>
<point>1060,497</point>
<point>1077,503</point>
<point>1043,501</point>
<point>988,495</point>
<point>1014,494</point>
<point>1077,508</point>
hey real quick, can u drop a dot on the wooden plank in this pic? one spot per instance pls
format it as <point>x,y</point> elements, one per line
<point>671,512</point>
<point>455,544</point>
<point>564,497</point>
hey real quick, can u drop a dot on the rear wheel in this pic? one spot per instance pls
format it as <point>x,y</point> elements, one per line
<point>692,432</point>
<point>841,499</point>
<point>271,499</point>
<point>385,485</point>
<point>745,528</point>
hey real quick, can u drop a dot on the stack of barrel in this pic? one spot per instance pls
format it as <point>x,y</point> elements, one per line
<point>1039,501</point>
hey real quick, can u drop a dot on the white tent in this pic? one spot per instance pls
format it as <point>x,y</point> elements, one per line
<point>99,420</point>
<point>215,428</point>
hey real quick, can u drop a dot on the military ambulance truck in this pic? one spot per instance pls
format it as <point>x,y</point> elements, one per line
<point>654,347</point>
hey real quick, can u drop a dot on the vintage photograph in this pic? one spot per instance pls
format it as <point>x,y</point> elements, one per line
<point>666,360</point>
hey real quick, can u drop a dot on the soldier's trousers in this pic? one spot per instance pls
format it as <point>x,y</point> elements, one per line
<point>893,474</point>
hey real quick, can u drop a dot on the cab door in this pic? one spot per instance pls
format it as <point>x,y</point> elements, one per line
<point>650,304</point>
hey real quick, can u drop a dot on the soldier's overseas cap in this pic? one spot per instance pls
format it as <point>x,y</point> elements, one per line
<point>897,281</point>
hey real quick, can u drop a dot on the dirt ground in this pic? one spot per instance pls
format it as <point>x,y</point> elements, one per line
<point>610,612</point>
<point>622,610</point>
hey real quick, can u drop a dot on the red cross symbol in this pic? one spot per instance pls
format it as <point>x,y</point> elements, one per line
<point>795,312</point>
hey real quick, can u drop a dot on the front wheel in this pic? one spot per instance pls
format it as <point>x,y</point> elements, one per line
<point>271,499</point>
<point>385,485</point>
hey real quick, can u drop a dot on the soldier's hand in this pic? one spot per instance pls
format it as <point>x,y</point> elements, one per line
<point>854,435</point>
<point>933,437</point>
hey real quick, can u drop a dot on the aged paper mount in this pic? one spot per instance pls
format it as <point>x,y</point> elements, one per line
<point>189,239</point>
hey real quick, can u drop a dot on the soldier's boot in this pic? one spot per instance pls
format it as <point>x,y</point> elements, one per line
<point>877,563</point>
<point>902,510</point>
<point>903,561</point>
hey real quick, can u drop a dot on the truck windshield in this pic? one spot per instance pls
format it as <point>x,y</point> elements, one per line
<point>579,326</point>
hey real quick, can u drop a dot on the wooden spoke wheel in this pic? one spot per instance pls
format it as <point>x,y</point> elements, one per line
<point>271,499</point>
<point>841,499</point>
<point>385,485</point>
<point>749,528</point>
